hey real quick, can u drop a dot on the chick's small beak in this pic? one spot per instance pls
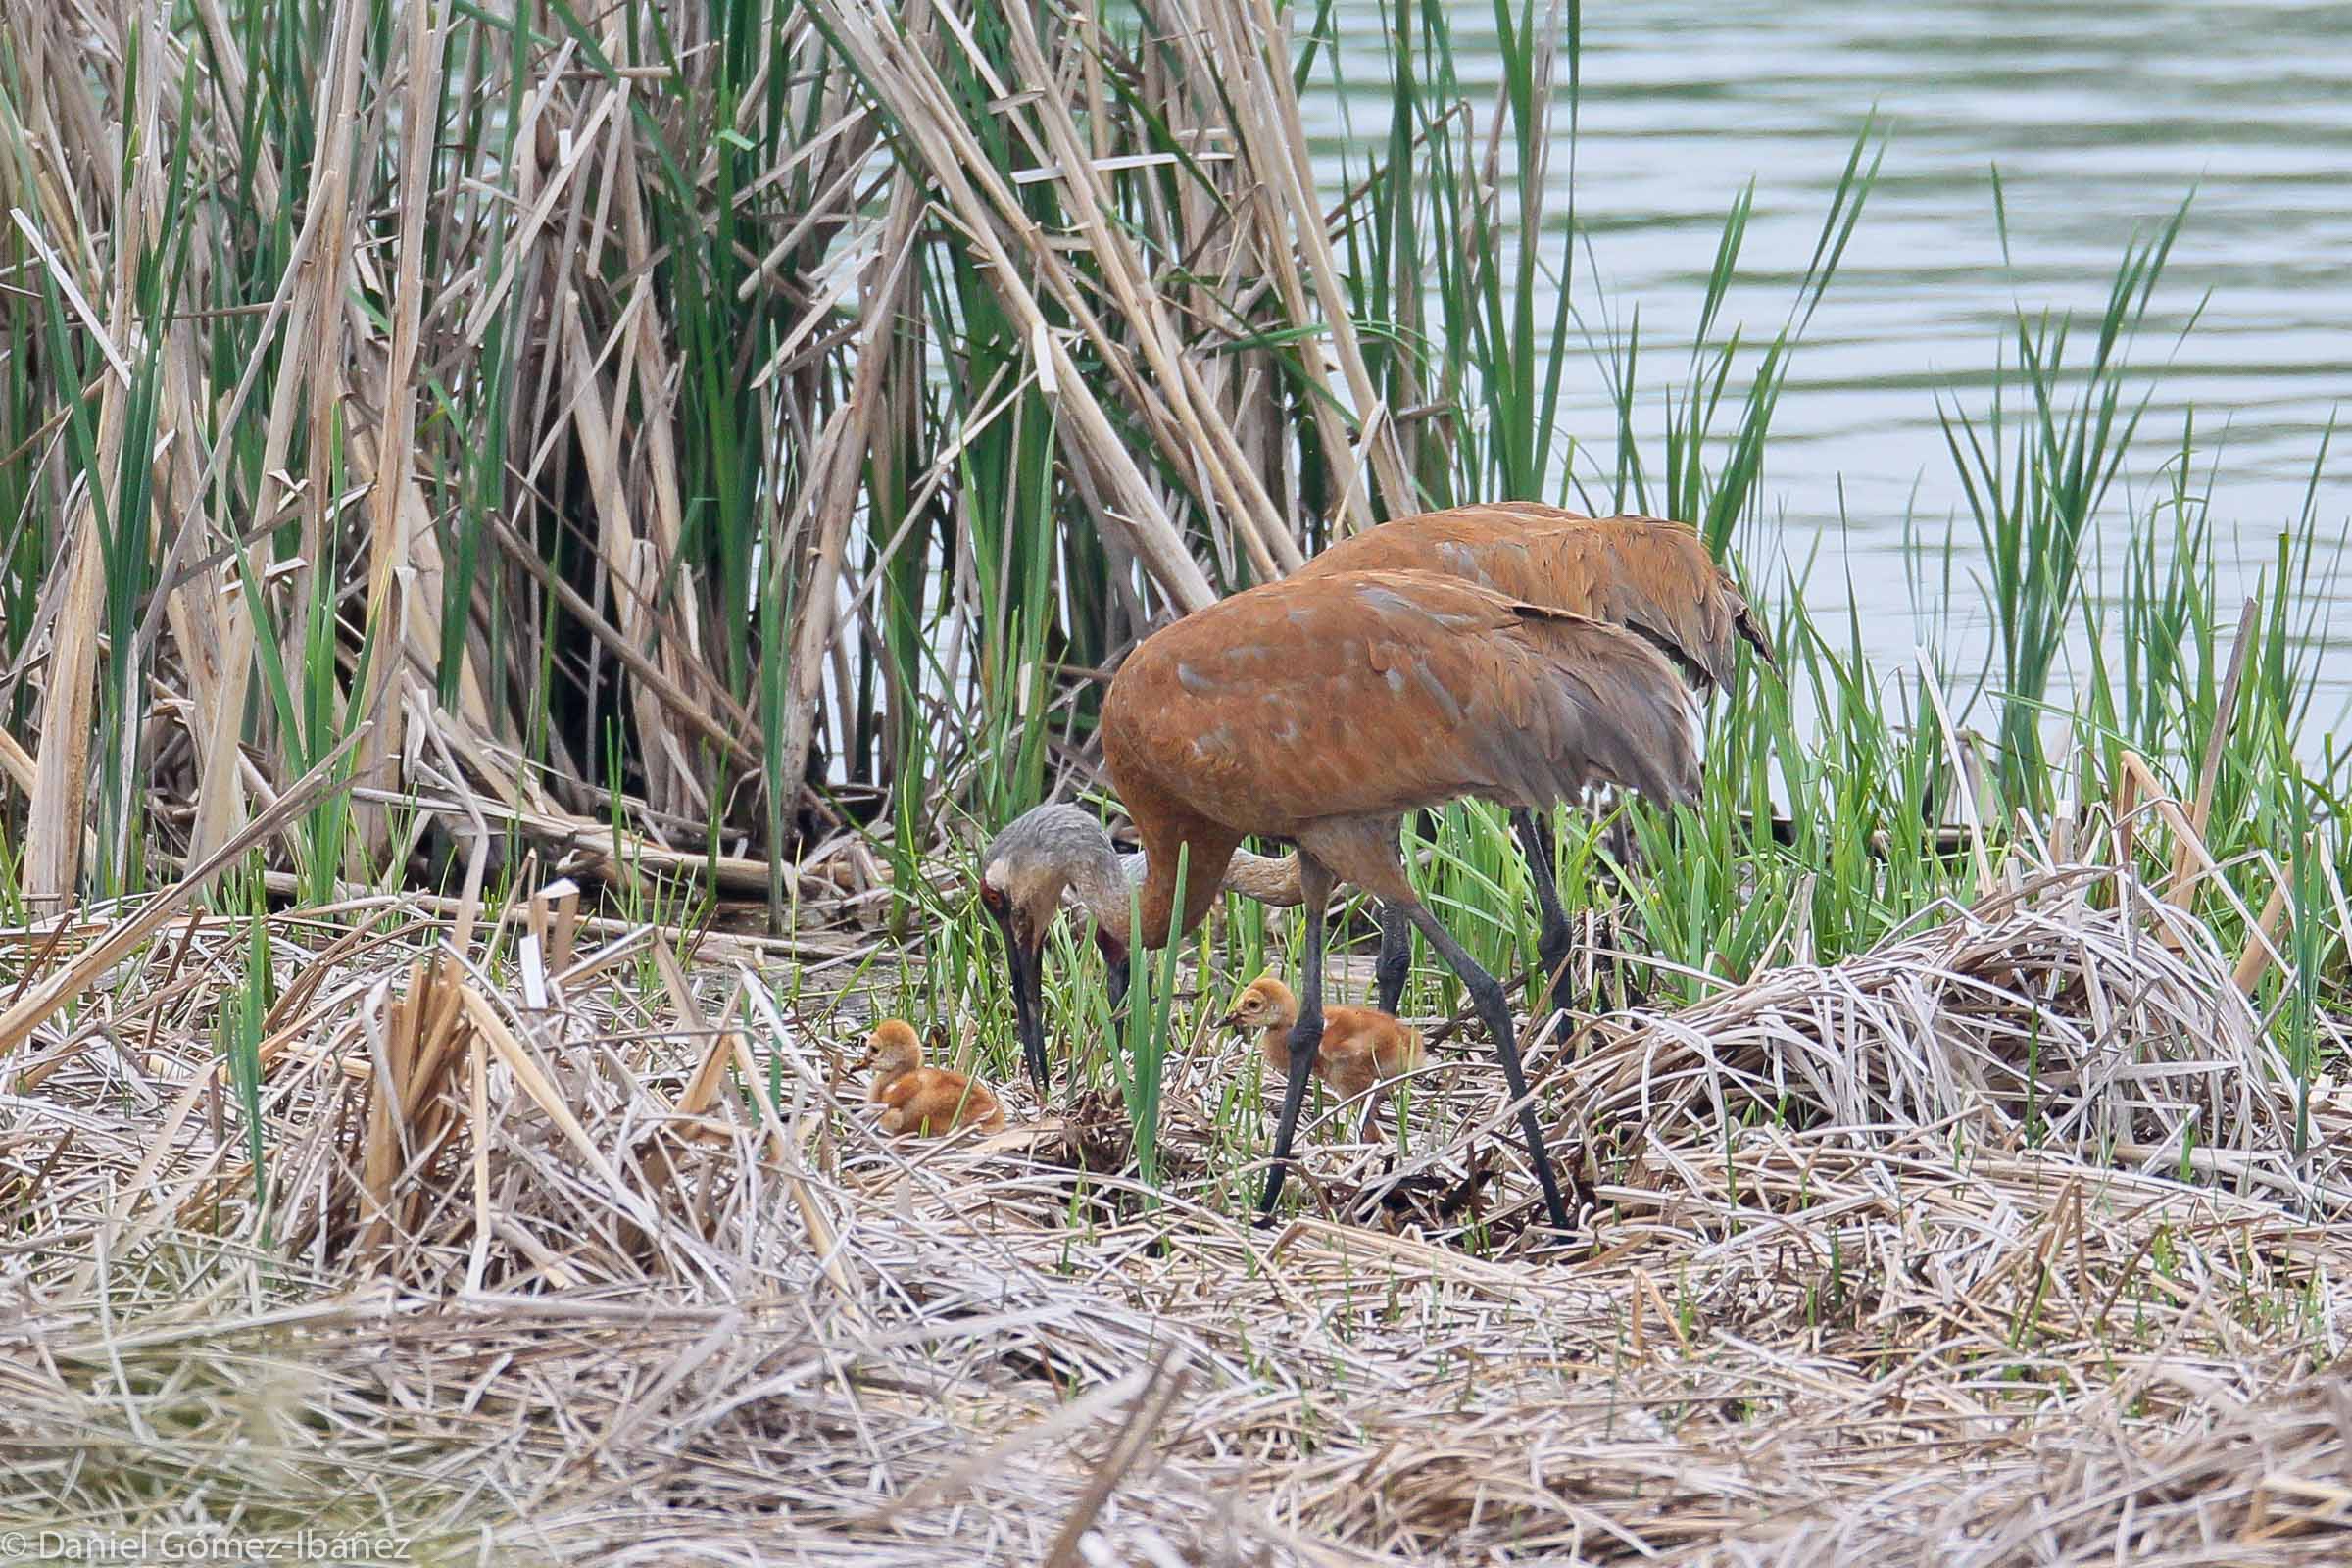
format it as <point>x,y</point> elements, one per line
<point>1231,1021</point>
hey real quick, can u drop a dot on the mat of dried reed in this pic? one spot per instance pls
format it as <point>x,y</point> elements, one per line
<point>1996,1245</point>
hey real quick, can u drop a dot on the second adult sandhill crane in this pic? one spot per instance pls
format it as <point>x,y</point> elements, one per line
<point>1318,711</point>
<point>1647,574</point>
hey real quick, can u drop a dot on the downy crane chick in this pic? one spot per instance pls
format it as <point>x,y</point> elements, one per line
<point>1360,1053</point>
<point>920,1101</point>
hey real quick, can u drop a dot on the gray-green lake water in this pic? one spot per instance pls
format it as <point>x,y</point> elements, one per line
<point>2101,118</point>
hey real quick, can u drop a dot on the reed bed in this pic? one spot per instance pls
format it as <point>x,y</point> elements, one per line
<point>2032,1015</point>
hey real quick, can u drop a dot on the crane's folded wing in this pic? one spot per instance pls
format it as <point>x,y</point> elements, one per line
<point>1369,694</point>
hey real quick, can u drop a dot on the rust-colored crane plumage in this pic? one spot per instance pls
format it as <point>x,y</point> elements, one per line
<point>1647,574</point>
<point>1319,710</point>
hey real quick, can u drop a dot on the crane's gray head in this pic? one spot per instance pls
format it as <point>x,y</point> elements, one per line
<point>1026,868</point>
<point>1029,865</point>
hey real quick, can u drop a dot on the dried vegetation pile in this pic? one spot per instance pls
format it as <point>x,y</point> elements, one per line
<point>617,1276</point>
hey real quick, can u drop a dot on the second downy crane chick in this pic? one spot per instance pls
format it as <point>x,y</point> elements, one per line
<point>1361,1050</point>
<point>920,1099</point>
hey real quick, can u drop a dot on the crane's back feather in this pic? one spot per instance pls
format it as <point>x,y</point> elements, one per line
<point>1327,706</point>
<point>1647,574</point>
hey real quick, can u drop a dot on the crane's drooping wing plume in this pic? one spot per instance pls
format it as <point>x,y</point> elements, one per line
<point>1643,573</point>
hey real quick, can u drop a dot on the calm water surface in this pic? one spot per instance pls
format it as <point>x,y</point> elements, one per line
<point>2101,118</point>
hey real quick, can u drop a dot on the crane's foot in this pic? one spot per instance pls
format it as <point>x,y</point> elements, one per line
<point>1548,1246</point>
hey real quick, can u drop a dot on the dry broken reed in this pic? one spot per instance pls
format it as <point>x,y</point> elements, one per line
<point>589,1259</point>
<point>2034,1015</point>
<point>634,407</point>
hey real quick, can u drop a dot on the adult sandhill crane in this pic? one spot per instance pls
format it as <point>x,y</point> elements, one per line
<point>1647,574</point>
<point>1319,710</point>
<point>1650,575</point>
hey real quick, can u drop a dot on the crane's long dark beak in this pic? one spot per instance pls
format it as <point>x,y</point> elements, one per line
<point>1027,963</point>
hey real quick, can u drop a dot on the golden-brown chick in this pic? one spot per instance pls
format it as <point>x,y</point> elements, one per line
<point>920,1101</point>
<point>1361,1049</point>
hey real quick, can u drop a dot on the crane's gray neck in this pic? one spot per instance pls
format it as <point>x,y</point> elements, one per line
<point>1067,845</point>
<point>1055,849</point>
<point>1269,879</point>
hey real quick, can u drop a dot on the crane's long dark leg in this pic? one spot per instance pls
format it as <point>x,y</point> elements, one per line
<point>1307,1034</point>
<point>1395,955</point>
<point>1395,965</point>
<point>1553,940</point>
<point>1495,1010</point>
